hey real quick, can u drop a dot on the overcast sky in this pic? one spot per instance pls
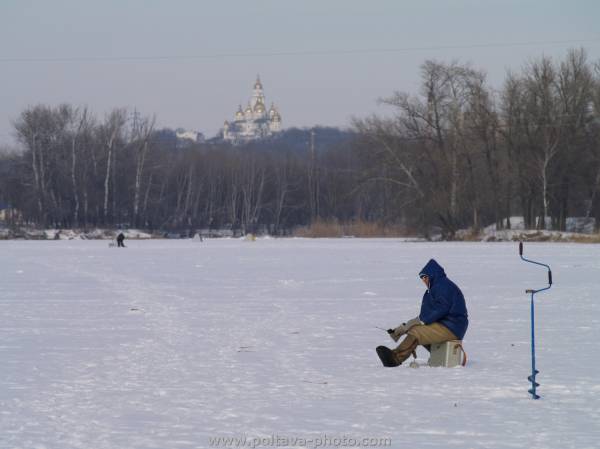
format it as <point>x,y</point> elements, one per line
<point>134,53</point>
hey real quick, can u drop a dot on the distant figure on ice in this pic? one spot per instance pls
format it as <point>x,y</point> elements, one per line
<point>120,239</point>
<point>443,317</point>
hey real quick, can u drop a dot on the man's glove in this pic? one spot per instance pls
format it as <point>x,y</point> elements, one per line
<point>403,328</point>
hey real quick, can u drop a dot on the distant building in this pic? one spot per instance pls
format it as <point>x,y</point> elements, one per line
<point>188,137</point>
<point>9,214</point>
<point>255,121</point>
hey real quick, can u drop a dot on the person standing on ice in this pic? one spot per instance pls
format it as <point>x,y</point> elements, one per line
<point>443,317</point>
<point>120,239</point>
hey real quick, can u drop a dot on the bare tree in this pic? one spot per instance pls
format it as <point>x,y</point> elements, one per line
<point>141,141</point>
<point>111,134</point>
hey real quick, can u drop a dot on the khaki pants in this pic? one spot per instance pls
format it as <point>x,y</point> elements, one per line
<point>431,333</point>
<point>422,335</point>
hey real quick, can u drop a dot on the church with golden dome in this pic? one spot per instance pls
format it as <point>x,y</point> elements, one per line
<point>254,121</point>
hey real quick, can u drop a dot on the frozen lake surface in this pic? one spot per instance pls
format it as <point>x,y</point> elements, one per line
<point>166,344</point>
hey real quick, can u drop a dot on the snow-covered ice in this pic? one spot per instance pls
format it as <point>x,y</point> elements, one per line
<point>165,344</point>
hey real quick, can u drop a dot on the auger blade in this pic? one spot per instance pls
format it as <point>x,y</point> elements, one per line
<point>533,395</point>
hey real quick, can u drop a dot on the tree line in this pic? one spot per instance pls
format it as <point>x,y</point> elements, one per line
<point>462,154</point>
<point>456,154</point>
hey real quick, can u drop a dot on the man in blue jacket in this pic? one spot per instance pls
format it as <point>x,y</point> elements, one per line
<point>443,317</point>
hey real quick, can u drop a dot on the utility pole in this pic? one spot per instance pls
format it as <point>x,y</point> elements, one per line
<point>135,123</point>
<point>313,179</point>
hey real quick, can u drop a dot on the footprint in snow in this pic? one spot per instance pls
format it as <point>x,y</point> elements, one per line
<point>245,349</point>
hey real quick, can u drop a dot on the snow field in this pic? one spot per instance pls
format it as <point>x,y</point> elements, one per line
<point>165,344</point>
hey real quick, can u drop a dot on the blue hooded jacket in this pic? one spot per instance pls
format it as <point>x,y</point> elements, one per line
<point>443,302</point>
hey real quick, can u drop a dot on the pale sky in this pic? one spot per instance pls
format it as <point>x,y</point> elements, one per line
<point>107,53</point>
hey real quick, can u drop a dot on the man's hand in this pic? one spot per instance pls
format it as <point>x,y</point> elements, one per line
<point>414,322</point>
<point>403,328</point>
<point>398,332</point>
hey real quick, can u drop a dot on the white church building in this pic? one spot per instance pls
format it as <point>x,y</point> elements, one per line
<point>255,121</point>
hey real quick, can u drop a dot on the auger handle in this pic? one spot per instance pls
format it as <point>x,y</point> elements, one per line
<point>536,263</point>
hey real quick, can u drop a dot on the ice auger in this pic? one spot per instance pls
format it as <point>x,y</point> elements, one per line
<point>534,372</point>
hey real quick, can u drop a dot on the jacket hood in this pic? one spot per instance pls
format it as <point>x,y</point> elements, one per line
<point>433,270</point>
